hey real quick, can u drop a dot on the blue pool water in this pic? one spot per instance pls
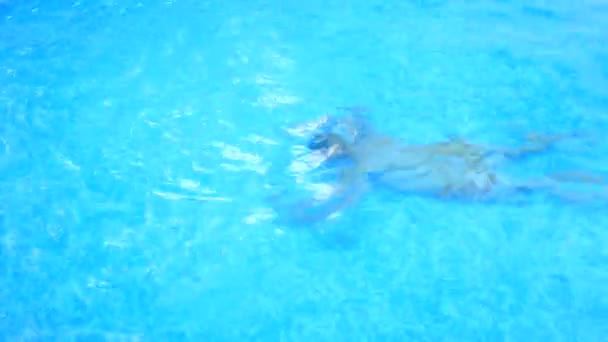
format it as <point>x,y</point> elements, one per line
<point>140,140</point>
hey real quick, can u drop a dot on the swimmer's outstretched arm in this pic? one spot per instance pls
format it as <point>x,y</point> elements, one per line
<point>352,187</point>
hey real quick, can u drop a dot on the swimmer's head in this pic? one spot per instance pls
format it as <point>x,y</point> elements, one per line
<point>331,144</point>
<point>318,142</point>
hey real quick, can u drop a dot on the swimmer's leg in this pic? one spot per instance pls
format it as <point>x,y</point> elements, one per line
<point>577,177</point>
<point>536,143</point>
<point>554,185</point>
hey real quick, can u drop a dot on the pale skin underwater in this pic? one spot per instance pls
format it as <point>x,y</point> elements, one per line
<point>453,168</point>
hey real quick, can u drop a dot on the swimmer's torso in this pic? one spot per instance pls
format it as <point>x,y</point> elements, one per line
<point>444,169</point>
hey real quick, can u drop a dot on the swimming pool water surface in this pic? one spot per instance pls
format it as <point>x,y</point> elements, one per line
<point>140,142</point>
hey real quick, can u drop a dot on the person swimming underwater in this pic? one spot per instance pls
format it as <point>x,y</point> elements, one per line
<point>453,168</point>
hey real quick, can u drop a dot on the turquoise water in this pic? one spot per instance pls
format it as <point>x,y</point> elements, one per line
<point>140,142</point>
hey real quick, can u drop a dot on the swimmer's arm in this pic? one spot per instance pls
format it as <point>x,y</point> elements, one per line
<point>351,188</point>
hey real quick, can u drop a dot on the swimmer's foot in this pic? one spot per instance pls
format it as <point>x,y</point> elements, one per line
<point>546,139</point>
